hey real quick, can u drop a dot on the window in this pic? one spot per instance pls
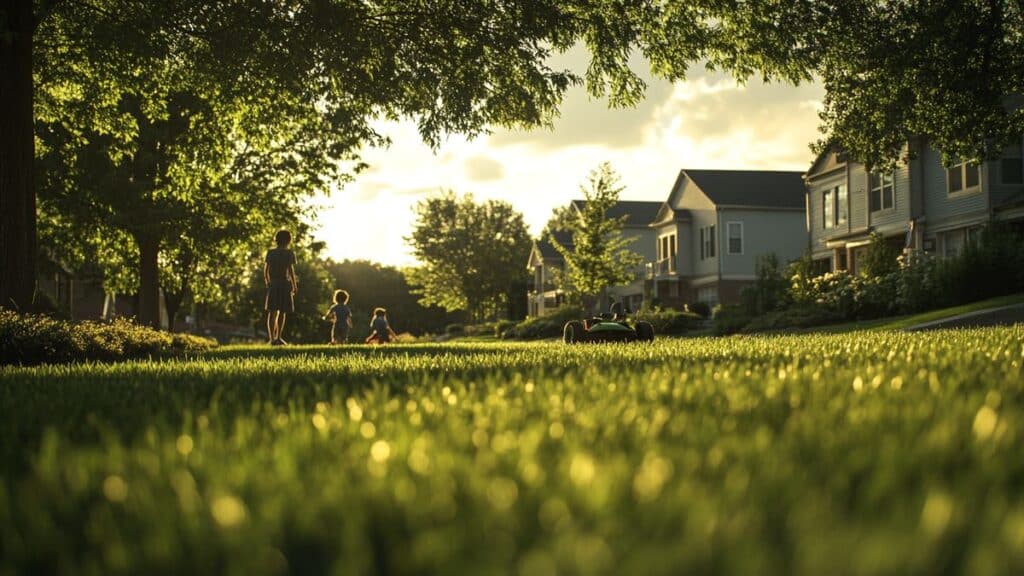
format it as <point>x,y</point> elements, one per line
<point>835,207</point>
<point>882,194</point>
<point>1012,165</point>
<point>828,203</point>
<point>735,230</point>
<point>708,295</point>
<point>667,254</point>
<point>672,249</point>
<point>707,242</point>
<point>963,177</point>
<point>842,206</point>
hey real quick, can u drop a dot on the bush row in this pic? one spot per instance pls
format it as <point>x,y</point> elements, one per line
<point>992,265</point>
<point>496,329</point>
<point>670,321</point>
<point>550,325</point>
<point>34,339</point>
<point>547,326</point>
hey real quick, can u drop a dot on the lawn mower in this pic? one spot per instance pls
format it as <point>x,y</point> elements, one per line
<point>607,328</point>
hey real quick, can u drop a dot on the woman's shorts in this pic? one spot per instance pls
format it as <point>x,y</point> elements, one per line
<point>279,297</point>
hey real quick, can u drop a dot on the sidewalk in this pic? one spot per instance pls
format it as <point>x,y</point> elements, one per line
<point>1002,316</point>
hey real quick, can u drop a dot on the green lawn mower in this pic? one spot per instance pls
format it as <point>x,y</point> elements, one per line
<point>607,328</point>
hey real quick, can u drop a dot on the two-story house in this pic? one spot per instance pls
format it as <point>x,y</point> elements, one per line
<point>920,205</point>
<point>714,226</point>
<point>545,260</point>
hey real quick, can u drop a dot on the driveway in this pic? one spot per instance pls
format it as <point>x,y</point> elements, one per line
<point>1003,316</point>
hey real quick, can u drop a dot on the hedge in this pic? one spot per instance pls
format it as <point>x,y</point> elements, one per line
<point>28,339</point>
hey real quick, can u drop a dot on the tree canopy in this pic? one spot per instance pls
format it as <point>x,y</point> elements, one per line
<point>940,69</point>
<point>472,254</point>
<point>600,256</point>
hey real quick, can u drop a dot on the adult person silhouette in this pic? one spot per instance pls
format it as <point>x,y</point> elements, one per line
<point>279,274</point>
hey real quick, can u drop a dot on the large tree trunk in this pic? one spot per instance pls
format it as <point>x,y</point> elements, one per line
<point>149,281</point>
<point>173,300</point>
<point>17,154</point>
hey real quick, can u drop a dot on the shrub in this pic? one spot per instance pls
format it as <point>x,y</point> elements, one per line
<point>34,339</point>
<point>547,326</point>
<point>700,308</point>
<point>991,266</point>
<point>805,316</point>
<point>671,321</point>
<point>880,257</point>
<point>455,329</point>
<point>730,319</point>
<point>769,290</point>
<point>917,290</point>
<point>502,326</point>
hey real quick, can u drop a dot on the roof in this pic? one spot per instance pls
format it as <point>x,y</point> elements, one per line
<point>637,212</point>
<point>668,214</point>
<point>547,250</point>
<point>757,188</point>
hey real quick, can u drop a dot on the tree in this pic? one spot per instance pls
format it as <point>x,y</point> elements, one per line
<point>891,69</point>
<point>472,254</point>
<point>599,257</point>
<point>371,284</point>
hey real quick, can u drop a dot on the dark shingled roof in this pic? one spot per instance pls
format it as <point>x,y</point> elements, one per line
<point>761,188</point>
<point>637,212</point>
<point>547,250</point>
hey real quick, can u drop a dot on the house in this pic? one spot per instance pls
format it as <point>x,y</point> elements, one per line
<point>714,226</point>
<point>920,205</point>
<point>545,260</point>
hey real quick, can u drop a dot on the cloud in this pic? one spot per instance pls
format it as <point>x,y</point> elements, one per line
<point>484,169</point>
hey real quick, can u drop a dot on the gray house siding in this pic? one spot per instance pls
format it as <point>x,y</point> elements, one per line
<point>703,214</point>
<point>818,233</point>
<point>893,219</point>
<point>944,210</point>
<point>857,180</point>
<point>761,235</point>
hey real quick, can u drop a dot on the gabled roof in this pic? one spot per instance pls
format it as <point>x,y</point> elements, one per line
<point>754,188</point>
<point>667,214</point>
<point>827,160</point>
<point>637,212</point>
<point>547,250</point>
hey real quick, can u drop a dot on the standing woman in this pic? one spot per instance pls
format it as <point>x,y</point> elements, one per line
<point>279,274</point>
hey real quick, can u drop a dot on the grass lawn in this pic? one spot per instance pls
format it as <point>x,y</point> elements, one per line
<point>817,454</point>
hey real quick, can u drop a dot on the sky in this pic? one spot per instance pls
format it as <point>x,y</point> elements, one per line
<point>708,121</point>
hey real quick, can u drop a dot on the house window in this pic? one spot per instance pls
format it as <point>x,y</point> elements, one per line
<point>882,195</point>
<point>1012,165</point>
<point>667,253</point>
<point>828,209</point>
<point>708,295</point>
<point>835,208</point>
<point>707,242</point>
<point>672,250</point>
<point>842,206</point>
<point>962,177</point>
<point>953,243</point>
<point>735,230</point>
